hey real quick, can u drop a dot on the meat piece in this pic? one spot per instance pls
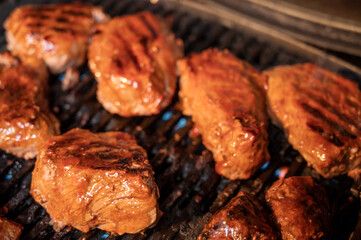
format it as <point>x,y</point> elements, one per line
<point>227,104</point>
<point>133,59</point>
<point>9,230</point>
<point>321,113</point>
<point>244,217</point>
<point>57,33</point>
<point>26,122</point>
<point>300,207</point>
<point>101,180</point>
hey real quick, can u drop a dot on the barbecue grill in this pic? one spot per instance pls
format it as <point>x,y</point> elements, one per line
<point>190,190</point>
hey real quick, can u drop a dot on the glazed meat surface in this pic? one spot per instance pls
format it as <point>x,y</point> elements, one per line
<point>224,96</point>
<point>133,59</point>
<point>9,230</point>
<point>321,113</point>
<point>101,180</point>
<point>26,122</point>
<point>244,217</point>
<point>56,33</point>
<point>300,207</point>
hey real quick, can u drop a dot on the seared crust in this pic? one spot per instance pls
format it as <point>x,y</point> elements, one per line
<point>99,180</point>
<point>321,113</point>
<point>223,96</point>
<point>9,230</point>
<point>26,122</point>
<point>133,59</point>
<point>300,207</point>
<point>55,33</point>
<point>244,217</point>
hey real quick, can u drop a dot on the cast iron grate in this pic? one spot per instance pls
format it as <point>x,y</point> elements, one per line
<point>190,189</point>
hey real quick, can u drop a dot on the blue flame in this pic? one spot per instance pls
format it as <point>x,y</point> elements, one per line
<point>167,115</point>
<point>265,166</point>
<point>8,176</point>
<point>61,77</point>
<point>104,236</point>
<point>277,172</point>
<point>181,123</point>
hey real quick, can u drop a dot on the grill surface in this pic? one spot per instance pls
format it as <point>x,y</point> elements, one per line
<point>184,170</point>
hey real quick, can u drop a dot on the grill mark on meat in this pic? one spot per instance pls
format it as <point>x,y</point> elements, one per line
<point>123,160</point>
<point>91,145</point>
<point>66,142</point>
<point>117,62</point>
<point>105,155</point>
<point>149,26</point>
<point>340,86</point>
<point>331,137</point>
<point>37,16</point>
<point>75,154</point>
<point>69,30</point>
<point>120,164</point>
<point>143,40</point>
<point>238,211</point>
<point>75,13</point>
<point>133,58</point>
<point>101,167</point>
<point>62,19</point>
<point>117,163</point>
<point>129,52</point>
<point>329,107</point>
<point>47,37</point>
<point>127,163</point>
<point>97,32</point>
<point>134,30</point>
<point>138,170</point>
<point>37,25</point>
<point>317,114</point>
<point>106,151</point>
<point>138,157</point>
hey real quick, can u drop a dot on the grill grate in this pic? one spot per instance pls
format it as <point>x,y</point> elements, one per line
<point>184,170</point>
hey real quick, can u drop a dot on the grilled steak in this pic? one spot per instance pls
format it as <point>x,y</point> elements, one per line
<point>244,217</point>
<point>300,207</point>
<point>56,33</point>
<point>223,95</point>
<point>321,113</point>
<point>133,59</point>
<point>26,122</point>
<point>9,230</point>
<point>99,180</point>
